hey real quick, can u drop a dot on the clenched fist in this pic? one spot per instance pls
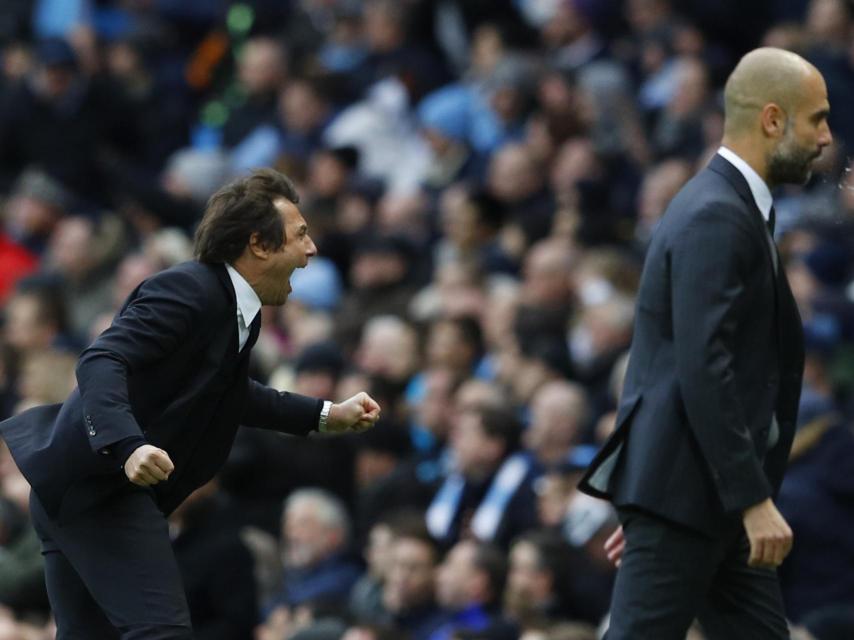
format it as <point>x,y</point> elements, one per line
<point>148,465</point>
<point>355,414</point>
<point>769,534</point>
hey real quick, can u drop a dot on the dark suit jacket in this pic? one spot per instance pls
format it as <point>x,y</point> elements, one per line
<point>168,369</point>
<point>717,350</point>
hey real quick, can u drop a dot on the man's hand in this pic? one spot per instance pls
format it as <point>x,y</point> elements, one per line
<point>769,534</point>
<point>148,465</point>
<point>615,545</point>
<point>354,415</point>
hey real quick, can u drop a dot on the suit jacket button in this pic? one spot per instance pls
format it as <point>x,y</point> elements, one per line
<point>91,431</point>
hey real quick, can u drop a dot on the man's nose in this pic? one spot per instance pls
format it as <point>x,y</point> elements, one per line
<point>312,248</point>
<point>826,137</point>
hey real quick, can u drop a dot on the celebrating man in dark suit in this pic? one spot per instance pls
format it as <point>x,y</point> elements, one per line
<point>710,399</point>
<point>160,396</point>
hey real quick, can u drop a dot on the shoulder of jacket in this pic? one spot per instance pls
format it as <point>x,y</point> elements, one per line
<point>195,280</point>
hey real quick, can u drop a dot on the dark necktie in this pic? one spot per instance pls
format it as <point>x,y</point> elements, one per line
<point>772,221</point>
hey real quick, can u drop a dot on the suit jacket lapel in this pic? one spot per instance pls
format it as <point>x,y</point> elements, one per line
<point>722,166</point>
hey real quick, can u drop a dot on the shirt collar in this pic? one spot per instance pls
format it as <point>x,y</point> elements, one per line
<point>247,300</point>
<point>761,192</point>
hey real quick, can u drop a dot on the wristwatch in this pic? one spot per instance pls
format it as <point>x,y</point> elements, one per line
<point>324,416</point>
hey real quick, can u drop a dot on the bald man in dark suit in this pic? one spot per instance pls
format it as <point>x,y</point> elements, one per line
<point>708,409</point>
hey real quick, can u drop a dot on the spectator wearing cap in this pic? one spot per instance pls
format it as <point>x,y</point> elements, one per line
<point>38,202</point>
<point>469,587</point>
<point>444,118</point>
<point>487,493</point>
<point>63,122</point>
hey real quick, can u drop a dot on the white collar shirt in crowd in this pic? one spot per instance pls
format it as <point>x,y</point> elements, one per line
<point>761,192</point>
<point>248,304</point>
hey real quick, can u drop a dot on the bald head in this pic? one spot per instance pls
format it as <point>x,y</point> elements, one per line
<point>762,76</point>
<point>776,115</point>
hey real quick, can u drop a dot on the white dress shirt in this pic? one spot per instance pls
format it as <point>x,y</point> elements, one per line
<point>248,304</point>
<point>761,192</point>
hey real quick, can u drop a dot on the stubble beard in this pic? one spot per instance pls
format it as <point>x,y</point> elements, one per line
<point>790,163</point>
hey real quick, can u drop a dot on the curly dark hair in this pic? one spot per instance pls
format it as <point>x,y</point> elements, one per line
<point>239,209</point>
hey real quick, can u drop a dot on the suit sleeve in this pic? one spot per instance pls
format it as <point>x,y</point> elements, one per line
<point>161,315</point>
<point>710,262</point>
<point>292,413</point>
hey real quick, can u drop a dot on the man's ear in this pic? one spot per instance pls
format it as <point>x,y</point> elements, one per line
<point>773,119</point>
<point>257,247</point>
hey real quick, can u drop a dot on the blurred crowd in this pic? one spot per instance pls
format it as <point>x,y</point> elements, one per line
<point>481,178</point>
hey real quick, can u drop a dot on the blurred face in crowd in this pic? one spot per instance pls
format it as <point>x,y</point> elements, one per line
<point>26,330</point>
<point>54,81</point>
<point>411,576</point>
<point>301,109</point>
<point>327,175</point>
<point>658,188</point>
<point>459,583</point>
<point>806,134</point>
<point>378,552</point>
<point>434,411</point>
<point>459,218</point>
<point>132,270</point>
<point>547,274</point>
<point>447,347</point>
<point>274,282</point>
<point>308,539</point>
<point>528,583</point>
<point>261,67</point>
<point>554,491</point>
<point>389,349</point>
<point>71,249</point>
<point>556,412</point>
<point>476,454</point>
<point>29,216</point>
<point>513,174</point>
<point>375,269</point>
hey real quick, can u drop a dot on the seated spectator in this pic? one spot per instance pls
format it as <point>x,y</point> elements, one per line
<point>488,491</point>
<point>316,540</point>
<point>546,582</point>
<point>409,590</point>
<point>216,567</point>
<point>36,205</point>
<point>469,585</point>
<point>559,413</point>
<point>366,596</point>
<point>36,319</point>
